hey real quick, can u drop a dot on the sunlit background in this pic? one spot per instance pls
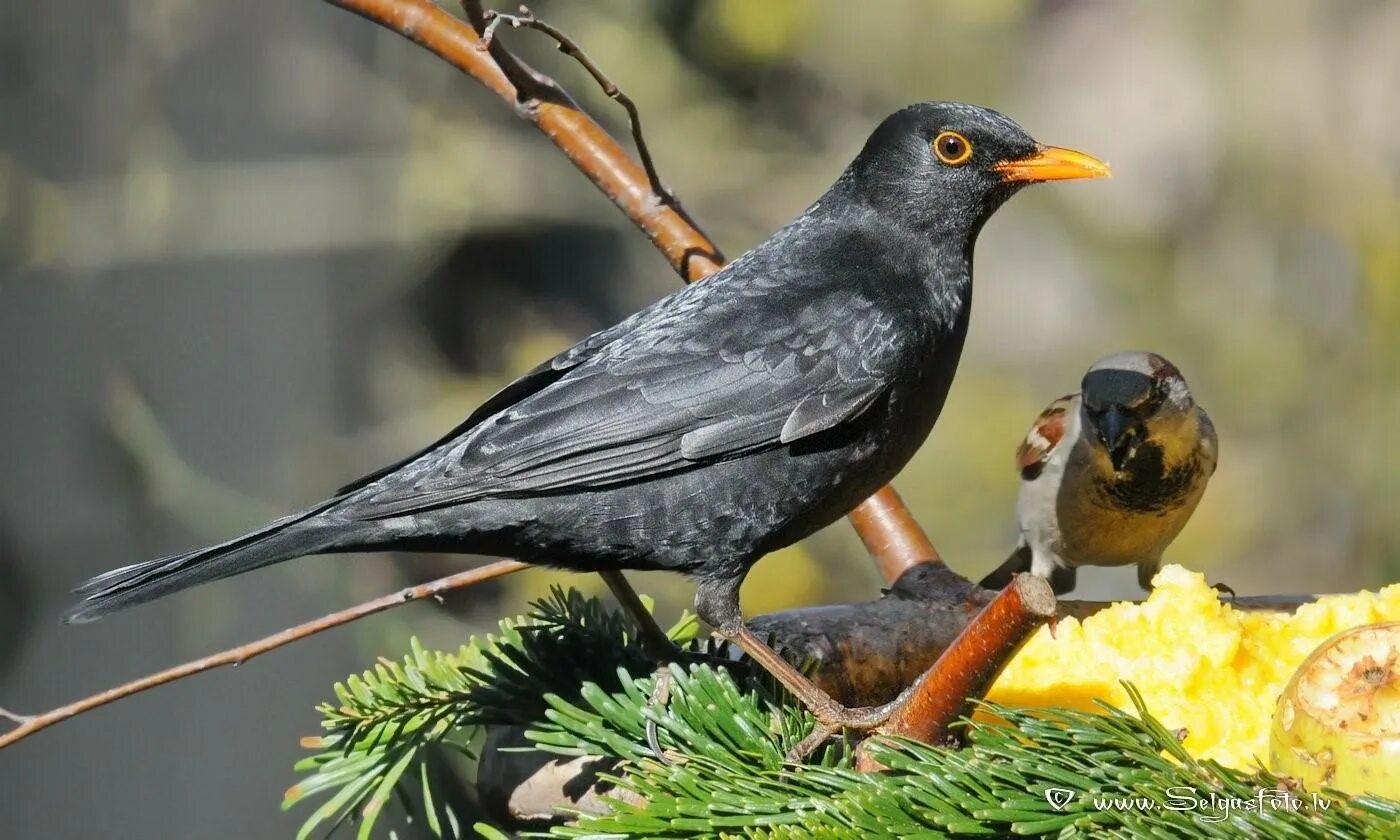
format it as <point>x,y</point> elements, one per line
<point>249,252</point>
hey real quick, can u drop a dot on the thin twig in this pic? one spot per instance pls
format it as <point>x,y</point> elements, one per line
<point>566,45</point>
<point>30,724</point>
<point>579,137</point>
<point>532,88</point>
<point>493,21</point>
<point>15,717</point>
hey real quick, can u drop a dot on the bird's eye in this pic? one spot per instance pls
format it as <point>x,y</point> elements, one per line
<point>952,148</point>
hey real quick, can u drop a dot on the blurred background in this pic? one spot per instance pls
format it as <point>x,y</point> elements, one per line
<point>249,252</point>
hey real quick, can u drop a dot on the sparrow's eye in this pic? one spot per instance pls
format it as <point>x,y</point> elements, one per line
<point>952,148</point>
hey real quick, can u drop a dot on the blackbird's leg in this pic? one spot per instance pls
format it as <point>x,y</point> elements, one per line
<point>656,644</point>
<point>654,640</point>
<point>717,602</point>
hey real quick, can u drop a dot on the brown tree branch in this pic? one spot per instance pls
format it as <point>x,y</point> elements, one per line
<point>1247,603</point>
<point>962,675</point>
<point>882,521</point>
<point>545,106</point>
<point>30,724</point>
<point>866,653</point>
<point>895,541</point>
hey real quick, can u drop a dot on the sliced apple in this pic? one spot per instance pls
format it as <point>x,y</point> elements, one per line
<point>1337,724</point>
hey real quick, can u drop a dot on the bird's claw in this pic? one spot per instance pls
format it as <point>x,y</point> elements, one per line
<point>799,752</point>
<point>861,718</point>
<point>835,719</point>
<point>660,696</point>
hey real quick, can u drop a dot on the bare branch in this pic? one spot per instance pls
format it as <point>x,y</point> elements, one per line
<point>15,717</point>
<point>531,86</point>
<point>30,724</point>
<point>527,20</point>
<point>1246,603</point>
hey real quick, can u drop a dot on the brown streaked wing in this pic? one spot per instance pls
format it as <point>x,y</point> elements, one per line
<point>1044,435</point>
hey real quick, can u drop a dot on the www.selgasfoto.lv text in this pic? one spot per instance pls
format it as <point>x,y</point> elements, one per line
<point>1211,807</point>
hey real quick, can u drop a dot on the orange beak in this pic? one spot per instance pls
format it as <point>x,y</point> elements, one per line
<point>1051,163</point>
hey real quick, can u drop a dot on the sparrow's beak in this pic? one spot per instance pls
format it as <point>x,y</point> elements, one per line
<point>1051,163</point>
<point>1117,430</point>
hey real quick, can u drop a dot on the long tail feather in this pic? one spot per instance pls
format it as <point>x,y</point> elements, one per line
<point>284,539</point>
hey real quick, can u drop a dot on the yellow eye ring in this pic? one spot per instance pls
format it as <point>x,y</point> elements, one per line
<point>952,148</point>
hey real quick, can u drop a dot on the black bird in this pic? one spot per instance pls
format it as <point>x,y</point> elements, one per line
<point>722,422</point>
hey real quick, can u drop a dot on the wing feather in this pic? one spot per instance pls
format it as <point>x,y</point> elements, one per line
<point>666,395</point>
<point>1044,435</point>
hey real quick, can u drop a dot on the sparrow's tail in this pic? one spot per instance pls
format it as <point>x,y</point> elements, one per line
<point>292,536</point>
<point>1019,561</point>
<point>1062,578</point>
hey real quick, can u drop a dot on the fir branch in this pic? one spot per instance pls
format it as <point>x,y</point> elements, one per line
<point>384,720</point>
<point>995,787</point>
<point>576,675</point>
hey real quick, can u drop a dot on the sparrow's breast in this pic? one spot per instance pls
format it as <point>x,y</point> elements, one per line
<point>1115,519</point>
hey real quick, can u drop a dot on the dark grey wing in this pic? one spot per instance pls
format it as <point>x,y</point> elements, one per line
<point>535,380</point>
<point>588,347</point>
<point>530,383</point>
<point>699,381</point>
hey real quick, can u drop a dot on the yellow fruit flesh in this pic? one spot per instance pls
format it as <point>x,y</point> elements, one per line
<point>1201,666</point>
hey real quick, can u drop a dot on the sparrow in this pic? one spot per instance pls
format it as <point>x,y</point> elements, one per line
<point>1109,476</point>
<point>722,422</point>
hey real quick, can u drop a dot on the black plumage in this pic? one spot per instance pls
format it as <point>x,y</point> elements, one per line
<point>724,421</point>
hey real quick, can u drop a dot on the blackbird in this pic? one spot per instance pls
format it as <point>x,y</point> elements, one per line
<point>729,419</point>
<point>1109,476</point>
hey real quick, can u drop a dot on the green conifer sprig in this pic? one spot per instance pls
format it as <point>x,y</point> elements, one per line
<point>1125,775</point>
<point>575,675</point>
<point>386,718</point>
